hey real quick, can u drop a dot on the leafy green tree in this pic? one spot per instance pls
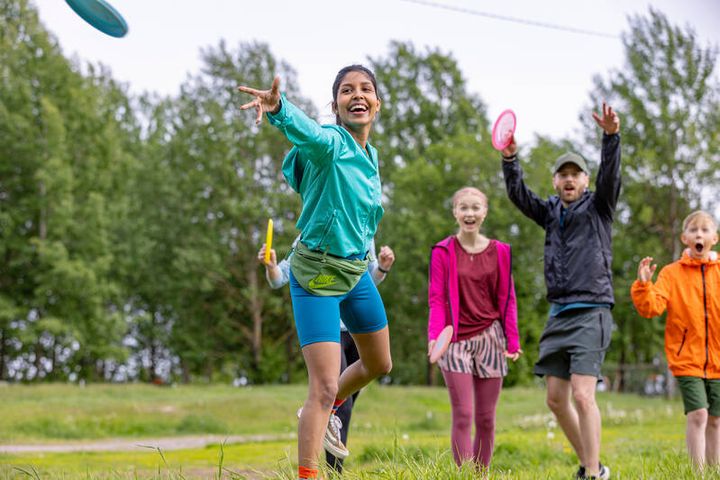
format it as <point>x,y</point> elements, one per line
<point>61,143</point>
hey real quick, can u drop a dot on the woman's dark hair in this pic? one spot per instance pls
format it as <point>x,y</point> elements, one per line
<point>339,78</point>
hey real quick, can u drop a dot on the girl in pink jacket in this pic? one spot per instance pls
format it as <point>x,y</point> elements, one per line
<point>471,288</point>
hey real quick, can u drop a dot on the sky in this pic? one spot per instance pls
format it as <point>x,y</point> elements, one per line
<point>544,74</point>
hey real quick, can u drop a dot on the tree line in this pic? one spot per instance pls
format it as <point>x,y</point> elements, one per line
<point>129,224</point>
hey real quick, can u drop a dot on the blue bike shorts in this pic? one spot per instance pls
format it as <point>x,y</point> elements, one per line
<point>317,319</point>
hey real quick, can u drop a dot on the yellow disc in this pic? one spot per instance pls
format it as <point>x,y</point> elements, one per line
<point>268,240</point>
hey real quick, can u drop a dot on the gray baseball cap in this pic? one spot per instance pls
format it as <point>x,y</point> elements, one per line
<point>573,158</point>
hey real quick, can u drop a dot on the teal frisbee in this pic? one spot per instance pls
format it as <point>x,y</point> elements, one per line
<point>100,15</point>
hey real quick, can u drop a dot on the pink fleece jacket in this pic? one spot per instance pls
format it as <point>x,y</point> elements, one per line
<point>444,298</point>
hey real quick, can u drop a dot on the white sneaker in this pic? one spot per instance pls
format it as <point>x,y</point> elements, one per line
<point>604,472</point>
<point>603,475</point>
<point>332,441</point>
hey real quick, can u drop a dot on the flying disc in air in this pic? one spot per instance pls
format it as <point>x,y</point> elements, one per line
<point>442,342</point>
<point>503,130</point>
<point>268,241</point>
<point>100,15</point>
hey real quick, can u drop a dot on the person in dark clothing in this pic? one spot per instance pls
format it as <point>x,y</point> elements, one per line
<point>578,276</point>
<point>349,356</point>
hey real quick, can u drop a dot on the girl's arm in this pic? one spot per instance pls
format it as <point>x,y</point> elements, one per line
<point>318,143</point>
<point>511,321</point>
<point>437,294</point>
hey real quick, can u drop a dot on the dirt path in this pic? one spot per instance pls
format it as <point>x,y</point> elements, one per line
<point>129,444</point>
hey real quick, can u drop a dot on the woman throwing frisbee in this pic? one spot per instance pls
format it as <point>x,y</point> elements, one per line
<point>335,170</point>
<point>471,289</point>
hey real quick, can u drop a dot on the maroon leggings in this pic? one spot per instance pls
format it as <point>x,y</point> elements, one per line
<point>468,391</point>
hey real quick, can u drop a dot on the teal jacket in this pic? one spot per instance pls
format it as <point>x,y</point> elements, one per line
<point>338,180</point>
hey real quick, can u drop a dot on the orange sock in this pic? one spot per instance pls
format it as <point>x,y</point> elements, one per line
<point>304,472</point>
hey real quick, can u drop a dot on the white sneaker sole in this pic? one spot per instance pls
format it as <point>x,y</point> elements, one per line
<point>334,450</point>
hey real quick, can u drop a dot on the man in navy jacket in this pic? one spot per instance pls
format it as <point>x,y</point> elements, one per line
<point>578,276</point>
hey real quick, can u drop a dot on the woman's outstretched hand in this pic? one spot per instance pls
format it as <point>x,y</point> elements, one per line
<point>265,100</point>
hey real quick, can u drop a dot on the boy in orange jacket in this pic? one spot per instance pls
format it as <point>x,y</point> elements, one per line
<point>690,291</point>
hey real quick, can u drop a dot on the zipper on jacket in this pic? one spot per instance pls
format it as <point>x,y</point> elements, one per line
<point>707,340</point>
<point>326,230</point>
<point>682,343</point>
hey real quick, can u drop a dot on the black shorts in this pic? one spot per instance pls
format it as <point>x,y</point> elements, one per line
<point>575,342</point>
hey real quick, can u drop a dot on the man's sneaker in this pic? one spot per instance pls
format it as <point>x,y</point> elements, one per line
<point>603,475</point>
<point>604,472</point>
<point>580,474</point>
<point>332,441</point>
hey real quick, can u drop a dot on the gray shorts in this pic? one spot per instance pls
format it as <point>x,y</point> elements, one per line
<point>575,341</point>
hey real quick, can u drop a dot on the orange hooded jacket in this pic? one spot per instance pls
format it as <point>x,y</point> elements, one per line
<point>690,290</point>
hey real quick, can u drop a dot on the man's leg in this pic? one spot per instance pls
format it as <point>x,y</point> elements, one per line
<point>583,393</point>
<point>558,399</point>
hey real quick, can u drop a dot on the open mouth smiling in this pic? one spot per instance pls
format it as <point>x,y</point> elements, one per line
<point>358,108</point>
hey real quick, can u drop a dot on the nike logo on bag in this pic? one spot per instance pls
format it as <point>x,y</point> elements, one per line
<point>322,281</point>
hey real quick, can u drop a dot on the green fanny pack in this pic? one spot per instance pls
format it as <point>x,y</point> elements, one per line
<point>325,275</point>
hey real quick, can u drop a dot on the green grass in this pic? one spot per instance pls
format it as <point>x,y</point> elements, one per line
<point>36,414</point>
<point>396,433</point>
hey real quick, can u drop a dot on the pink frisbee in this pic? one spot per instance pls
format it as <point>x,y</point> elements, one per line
<point>441,344</point>
<point>503,130</point>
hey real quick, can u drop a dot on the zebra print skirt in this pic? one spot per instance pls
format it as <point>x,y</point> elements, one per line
<point>481,355</point>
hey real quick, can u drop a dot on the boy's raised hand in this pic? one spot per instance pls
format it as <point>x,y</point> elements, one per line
<point>610,122</point>
<point>645,269</point>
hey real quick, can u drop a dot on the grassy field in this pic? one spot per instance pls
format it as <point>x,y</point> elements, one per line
<point>396,433</point>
